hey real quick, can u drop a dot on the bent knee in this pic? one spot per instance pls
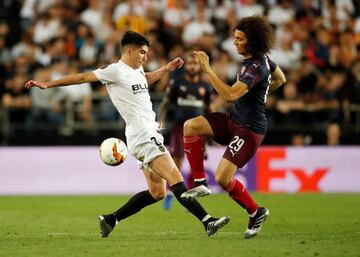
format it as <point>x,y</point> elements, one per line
<point>190,128</point>
<point>222,179</point>
<point>158,194</point>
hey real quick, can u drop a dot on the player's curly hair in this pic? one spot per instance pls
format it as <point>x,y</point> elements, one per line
<point>259,34</point>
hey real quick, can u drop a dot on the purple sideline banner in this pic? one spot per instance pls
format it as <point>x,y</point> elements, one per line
<point>79,170</point>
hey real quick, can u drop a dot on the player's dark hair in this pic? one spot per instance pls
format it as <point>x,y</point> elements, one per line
<point>259,34</point>
<point>133,38</point>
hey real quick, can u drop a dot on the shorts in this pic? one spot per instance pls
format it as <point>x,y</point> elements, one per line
<point>176,146</point>
<point>241,142</point>
<point>147,151</point>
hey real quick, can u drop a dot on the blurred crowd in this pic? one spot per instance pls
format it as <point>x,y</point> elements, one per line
<point>317,45</point>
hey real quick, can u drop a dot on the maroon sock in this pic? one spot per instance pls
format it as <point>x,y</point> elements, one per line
<point>194,149</point>
<point>240,195</point>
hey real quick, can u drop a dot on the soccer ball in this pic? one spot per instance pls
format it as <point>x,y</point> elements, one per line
<point>113,151</point>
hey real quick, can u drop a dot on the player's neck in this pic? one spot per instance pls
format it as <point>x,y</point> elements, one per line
<point>127,61</point>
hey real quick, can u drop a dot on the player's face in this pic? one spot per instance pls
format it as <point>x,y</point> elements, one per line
<point>192,66</point>
<point>240,42</point>
<point>139,56</point>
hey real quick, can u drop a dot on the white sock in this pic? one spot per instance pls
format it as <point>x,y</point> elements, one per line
<point>206,218</point>
<point>252,215</point>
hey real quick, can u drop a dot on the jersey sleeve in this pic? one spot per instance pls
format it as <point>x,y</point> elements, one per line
<point>249,75</point>
<point>107,74</point>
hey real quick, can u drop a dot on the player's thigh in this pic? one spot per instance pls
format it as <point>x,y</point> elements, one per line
<point>156,184</point>
<point>198,126</point>
<point>224,172</point>
<point>165,167</point>
<point>242,147</point>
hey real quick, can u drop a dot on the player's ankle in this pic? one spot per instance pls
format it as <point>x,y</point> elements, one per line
<point>199,182</point>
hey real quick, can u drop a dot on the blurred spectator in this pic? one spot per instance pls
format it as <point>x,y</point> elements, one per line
<point>317,43</point>
<point>93,15</point>
<point>16,99</point>
<point>200,5</point>
<point>222,10</point>
<point>318,47</point>
<point>333,134</point>
<point>281,13</point>
<point>298,139</point>
<point>47,106</point>
<point>307,11</point>
<point>352,94</point>
<point>77,98</point>
<point>291,107</point>
<point>89,50</point>
<point>287,54</point>
<point>132,19</point>
<point>46,28</point>
<point>308,76</point>
<point>194,30</point>
<point>328,98</point>
<point>246,8</point>
<point>225,68</point>
<point>127,7</point>
<point>5,56</point>
<point>176,17</point>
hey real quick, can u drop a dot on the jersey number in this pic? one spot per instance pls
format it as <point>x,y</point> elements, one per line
<point>236,144</point>
<point>161,147</point>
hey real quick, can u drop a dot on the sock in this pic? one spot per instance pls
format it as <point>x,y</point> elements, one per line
<point>194,149</point>
<point>134,205</point>
<point>240,195</point>
<point>199,182</point>
<point>193,206</point>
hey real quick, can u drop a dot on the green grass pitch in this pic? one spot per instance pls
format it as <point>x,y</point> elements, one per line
<point>299,225</point>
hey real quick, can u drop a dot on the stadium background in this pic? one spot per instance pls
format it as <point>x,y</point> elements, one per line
<point>317,45</point>
<point>53,184</point>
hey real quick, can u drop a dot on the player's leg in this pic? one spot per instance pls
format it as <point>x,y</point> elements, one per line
<point>194,129</point>
<point>168,201</point>
<point>165,167</point>
<point>241,148</point>
<point>176,149</point>
<point>225,178</point>
<point>156,191</point>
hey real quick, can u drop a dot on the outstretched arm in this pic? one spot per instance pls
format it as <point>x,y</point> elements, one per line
<point>229,93</point>
<point>154,76</point>
<point>73,79</point>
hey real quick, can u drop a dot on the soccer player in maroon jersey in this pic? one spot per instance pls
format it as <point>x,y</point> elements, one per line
<point>244,127</point>
<point>188,96</point>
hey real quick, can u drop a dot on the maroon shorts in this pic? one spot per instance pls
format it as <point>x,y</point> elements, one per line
<point>176,146</point>
<point>241,142</point>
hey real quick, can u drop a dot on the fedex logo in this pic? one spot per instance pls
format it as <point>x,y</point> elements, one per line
<point>307,179</point>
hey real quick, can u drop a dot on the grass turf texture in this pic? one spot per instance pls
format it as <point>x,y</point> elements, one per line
<point>299,225</point>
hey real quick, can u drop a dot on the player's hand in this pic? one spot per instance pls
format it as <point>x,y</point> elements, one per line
<point>204,60</point>
<point>177,63</point>
<point>33,83</point>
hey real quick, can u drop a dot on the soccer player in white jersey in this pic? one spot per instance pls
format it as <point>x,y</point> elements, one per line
<point>127,85</point>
